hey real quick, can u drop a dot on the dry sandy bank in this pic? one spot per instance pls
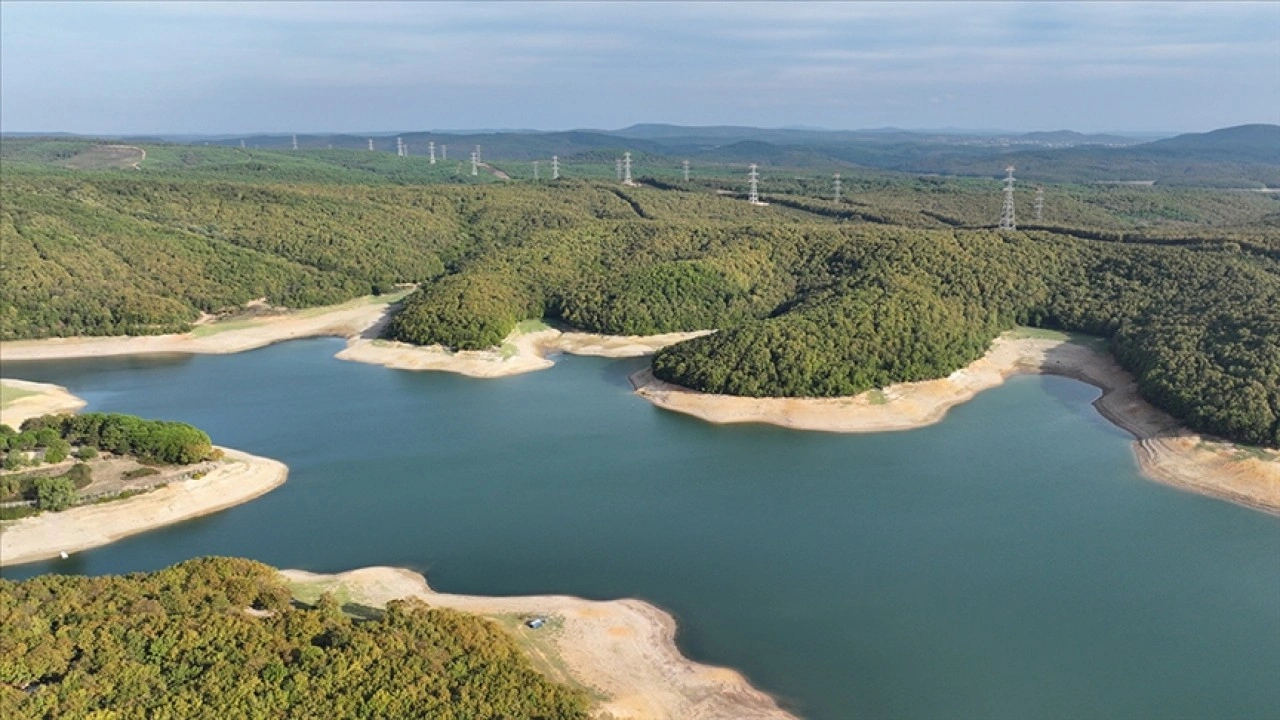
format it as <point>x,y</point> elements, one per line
<point>45,400</point>
<point>520,352</point>
<point>623,649</point>
<point>240,478</point>
<point>360,321</point>
<point>345,320</point>
<point>1166,452</point>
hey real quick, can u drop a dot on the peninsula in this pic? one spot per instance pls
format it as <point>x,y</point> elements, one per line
<point>234,478</point>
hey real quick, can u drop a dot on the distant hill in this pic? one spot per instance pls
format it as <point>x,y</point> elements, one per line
<point>1070,138</point>
<point>1247,156</point>
<point>729,134</point>
<point>1257,143</point>
<point>507,146</point>
<point>1243,156</point>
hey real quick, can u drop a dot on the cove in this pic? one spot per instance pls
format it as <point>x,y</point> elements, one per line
<point>1008,562</point>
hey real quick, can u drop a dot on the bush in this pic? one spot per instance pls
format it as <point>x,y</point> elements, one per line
<point>80,475</point>
<point>10,487</point>
<point>23,441</point>
<point>55,494</point>
<point>46,436</point>
<point>56,451</point>
<point>87,452</point>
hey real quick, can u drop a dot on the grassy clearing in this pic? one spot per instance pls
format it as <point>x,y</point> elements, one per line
<point>877,397</point>
<point>18,512</point>
<point>221,327</point>
<point>542,650</point>
<point>1022,332</point>
<point>389,298</point>
<point>8,394</point>
<point>525,327</point>
<point>540,645</point>
<point>309,592</point>
<point>385,299</point>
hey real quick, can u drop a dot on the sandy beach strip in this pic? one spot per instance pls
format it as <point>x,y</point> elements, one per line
<point>1166,451</point>
<point>240,478</point>
<point>44,399</point>
<point>361,322</point>
<point>623,650</point>
<point>346,320</point>
<point>519,353</point>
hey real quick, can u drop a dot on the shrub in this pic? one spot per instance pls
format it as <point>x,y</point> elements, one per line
<point>80,475</point>
<point>56,451</point>
<point>55,494</point>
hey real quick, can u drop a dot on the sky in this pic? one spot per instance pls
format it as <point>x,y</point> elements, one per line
<point>241,67</point>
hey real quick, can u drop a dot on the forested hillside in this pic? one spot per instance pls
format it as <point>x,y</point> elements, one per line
<point>824,310</point>
<point>902,279</point>
<point>219,638</point>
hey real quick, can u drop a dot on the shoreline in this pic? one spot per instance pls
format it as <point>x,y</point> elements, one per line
<point>1165,451</point>
<point>346,320</point>
<point>43,399</point>
<point>622,649</point>
<point>240,478</point>
<point>360,322</point>
<point>521,352</point>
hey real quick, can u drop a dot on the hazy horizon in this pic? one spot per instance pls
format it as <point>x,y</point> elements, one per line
<point>276,68</point>
<point>366,132</point>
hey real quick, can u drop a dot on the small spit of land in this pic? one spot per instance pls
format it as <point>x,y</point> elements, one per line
<point>238,478</point>
<point>21,399</point>
<point>524,350</point>
<point>621,651</point>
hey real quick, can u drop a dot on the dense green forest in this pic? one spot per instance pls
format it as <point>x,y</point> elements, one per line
<point>220,638</point>
<point>902,279</point>
<point>157,441</point>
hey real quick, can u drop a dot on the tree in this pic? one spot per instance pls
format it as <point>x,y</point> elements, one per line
<point>56,451</point>
<point>55,494</point>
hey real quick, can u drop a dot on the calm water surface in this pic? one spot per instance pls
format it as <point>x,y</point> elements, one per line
<point>1006,563</point>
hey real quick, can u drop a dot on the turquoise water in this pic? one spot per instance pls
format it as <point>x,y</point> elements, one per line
<point>1006,563</point>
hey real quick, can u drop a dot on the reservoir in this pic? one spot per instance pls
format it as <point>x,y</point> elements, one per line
<point>1009,562</point>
